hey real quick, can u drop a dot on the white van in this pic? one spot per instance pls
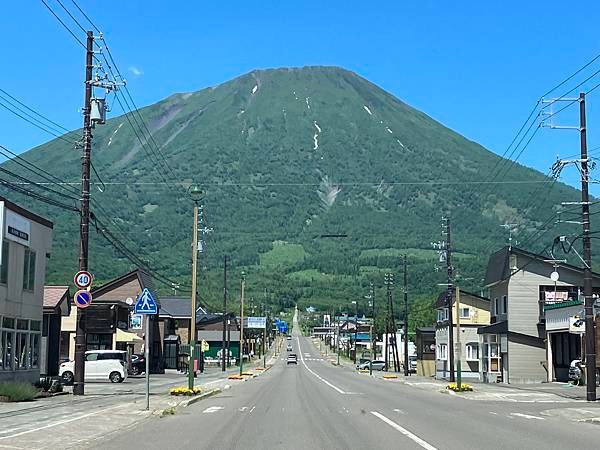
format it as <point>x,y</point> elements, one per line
<point>99,365</point>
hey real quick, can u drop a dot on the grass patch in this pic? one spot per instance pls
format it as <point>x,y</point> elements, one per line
<point>168,411</point>
<point>283,254</point>
<point>18,392</point>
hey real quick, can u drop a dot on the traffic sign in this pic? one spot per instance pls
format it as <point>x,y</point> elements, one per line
<point>256,322</point>
<point>145,303</point>
<point>83,279</point>
<point>82,298</point>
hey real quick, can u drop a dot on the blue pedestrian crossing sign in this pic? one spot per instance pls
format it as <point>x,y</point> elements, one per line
<point>145,303</point>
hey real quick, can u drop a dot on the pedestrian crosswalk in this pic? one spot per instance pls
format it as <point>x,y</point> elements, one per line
<point>308,359</point>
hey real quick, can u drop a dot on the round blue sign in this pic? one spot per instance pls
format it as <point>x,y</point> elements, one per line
<point>82,299</point>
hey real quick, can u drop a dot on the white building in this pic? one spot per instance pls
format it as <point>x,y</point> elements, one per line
<point>26,242</point>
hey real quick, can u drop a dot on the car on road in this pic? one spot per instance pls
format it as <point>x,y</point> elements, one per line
<point>292,358</point>
<point>412,364</point>
<point>377,365</point>
<point>137,364</point>
<point>289,338</point>
<point>108,365</point>
<point>289,348</point>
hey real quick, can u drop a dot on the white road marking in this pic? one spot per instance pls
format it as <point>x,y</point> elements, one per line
<point>252,408</point>
<point>527,416</point>
<point>61,422</point>
<point>404,431</point>
<point>242,409</point>
<point>314,373</point>
<point>212,409</point>
<point>399,411</point>
<point>494,413</point>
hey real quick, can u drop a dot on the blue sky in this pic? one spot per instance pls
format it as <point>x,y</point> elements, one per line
<point>476,67</point>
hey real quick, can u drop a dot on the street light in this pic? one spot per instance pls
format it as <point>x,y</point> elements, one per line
<point>196,194</point>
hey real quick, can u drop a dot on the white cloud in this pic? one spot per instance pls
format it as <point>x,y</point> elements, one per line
<point>136,71</point>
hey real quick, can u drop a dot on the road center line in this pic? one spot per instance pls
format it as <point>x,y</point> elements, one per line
<point>314,373</point>
<point>404,431</point>
<point>61,422</point>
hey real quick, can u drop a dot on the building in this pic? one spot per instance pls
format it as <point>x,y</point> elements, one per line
<point>26,244</point>
<point>111,324</point>
<point>520,345</point>
<point>425,347</point>
<point>57,304</point>
<point>210,329</point>
<point>175,318</point>
<point>474,313</point>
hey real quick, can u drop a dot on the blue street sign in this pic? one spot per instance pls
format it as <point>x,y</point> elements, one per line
<point>82,298</point>
<point>145,303</point>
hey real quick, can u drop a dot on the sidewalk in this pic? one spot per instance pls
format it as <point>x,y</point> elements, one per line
<point>69,421</point>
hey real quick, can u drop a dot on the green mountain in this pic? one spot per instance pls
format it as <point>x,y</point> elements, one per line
<point>286,156</point>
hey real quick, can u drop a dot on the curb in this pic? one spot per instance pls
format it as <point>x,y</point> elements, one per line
<point>191,401</point>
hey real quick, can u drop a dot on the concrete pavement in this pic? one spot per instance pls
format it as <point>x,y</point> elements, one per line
<point>318,405</point>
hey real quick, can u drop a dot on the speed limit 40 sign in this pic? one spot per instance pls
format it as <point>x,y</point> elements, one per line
<point>83,279</point>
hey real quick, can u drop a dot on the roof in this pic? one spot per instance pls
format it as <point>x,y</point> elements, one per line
<point>425,329</point>
<point>495,328</point>
<point>562,305</point>
<point>178,307</point>
<point>441,300</point>
<point>54,296</point>
<point>498,265</point>
<point>143,277</point>
<point>25,213</point>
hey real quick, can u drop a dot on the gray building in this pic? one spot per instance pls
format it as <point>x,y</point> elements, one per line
<point>26,243</point>
<point>514,345</point>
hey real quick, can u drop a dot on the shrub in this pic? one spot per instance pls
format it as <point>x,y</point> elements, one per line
<point>185,391</point>
<point>18,392</point>
<point>463,387</point>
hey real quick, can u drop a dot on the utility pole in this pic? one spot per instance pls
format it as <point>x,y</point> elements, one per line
<point>84,227</point>
<point>406,371</point>
<point>458,343</point>
<point>590,335</point>
<point>373,336</point>
<point>583,166</point>
<point>242,324</point>
<point>449,292</point>
<point>223,345</point>
<point>337,340</point>
<point>355,329</point>
<point>196,195</point>
<point>390,327</point>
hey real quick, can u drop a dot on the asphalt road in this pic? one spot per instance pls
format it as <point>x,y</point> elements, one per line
<point>317,405</point>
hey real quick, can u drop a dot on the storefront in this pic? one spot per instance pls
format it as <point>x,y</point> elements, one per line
<point>562,345</point>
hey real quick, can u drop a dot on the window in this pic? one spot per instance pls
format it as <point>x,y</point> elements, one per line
<point>495,311</point>
<point>5,349</point>
<point>91,357</point>
<point>34,350</point>
<point>21,354</point>
<point>442,314</point>
<point>29,270</point>
<point>442,352</point>
<point>4,265</point>
<point>504,304</point>
<point>465,313</point>
<point>472,350</point>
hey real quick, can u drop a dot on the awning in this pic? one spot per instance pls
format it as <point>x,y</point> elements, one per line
<point>125,336</point>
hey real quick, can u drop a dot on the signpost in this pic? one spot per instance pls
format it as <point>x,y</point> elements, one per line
<point>260,322</point>
<point>146,305</point>
<point>82,298</point>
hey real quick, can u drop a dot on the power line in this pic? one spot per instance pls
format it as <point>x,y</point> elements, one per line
<point>64,25</point>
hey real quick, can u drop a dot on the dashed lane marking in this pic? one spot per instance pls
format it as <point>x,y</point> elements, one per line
<point>426,445</point>
<point>527,416</point>
<point>212,409</point>
<point>316,374</point>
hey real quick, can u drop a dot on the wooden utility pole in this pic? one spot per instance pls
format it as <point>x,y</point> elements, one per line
<point>458,343</point>
<point>223,345</point>
<point>590,335</point>
<point>84,226</point>
<point>242,324</point>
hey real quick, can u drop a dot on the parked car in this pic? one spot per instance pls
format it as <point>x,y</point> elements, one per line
<point>137,364</point>
<point>292,359</point>
<point>108,365</point>
<point>412,364</point>
<point>377,365</point>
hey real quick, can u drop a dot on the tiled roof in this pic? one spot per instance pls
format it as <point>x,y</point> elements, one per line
<point>53,295</point>
<point>178,307</point>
